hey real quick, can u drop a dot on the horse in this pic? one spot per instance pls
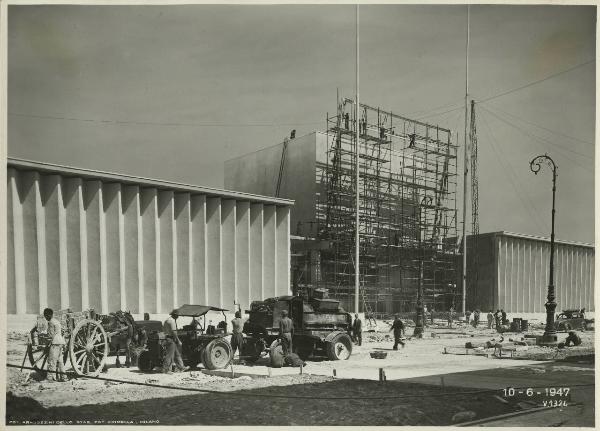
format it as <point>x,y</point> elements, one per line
<point>123,331</point>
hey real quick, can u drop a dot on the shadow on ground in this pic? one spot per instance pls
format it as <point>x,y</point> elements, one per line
<point>338,402</point>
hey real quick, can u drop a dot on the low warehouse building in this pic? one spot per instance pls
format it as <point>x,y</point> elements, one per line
<point>84,239</point>
<point>513,273</point>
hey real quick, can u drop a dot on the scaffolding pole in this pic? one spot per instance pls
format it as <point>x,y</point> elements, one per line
<point>357,219</point>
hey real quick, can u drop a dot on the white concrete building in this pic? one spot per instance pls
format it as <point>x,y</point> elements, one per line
<point>84,239</point>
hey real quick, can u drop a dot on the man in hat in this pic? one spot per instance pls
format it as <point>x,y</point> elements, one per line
<point>237,337</point>
<point>173,345</point>
<point>398,328</point>
<point>286,329</point>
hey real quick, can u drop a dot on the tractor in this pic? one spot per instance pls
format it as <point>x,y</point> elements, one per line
<point>321,326</point>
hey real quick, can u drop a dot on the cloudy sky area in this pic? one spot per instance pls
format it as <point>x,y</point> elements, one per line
<point>171,92</point>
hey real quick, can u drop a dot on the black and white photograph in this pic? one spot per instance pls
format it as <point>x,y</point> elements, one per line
<point>351,214</point>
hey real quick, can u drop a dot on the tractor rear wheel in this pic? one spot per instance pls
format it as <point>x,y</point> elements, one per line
<point>217,354</point>
<point>340,348</point>
<point>145,362</point>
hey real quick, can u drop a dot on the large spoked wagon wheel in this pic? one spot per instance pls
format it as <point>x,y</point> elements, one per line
<point>88,348</point>
<point>38,358</point>
<point>216,354</point>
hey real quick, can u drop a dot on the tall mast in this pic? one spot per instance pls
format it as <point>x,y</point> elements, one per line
<point>357,220</point>
<point>466,169</point>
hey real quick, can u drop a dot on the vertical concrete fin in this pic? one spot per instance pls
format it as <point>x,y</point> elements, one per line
<point>228,253</point>
<point>167,259</point>
<point>256,252</point>
<point>199,248</point>
<point>283,250</point>
<point>150,250</point>
<point>62,244</point>
<point>214,256</point>
<point>83,247</point>
<point>181,248</point>
<point>270,257</point>
<point>243,254</point>
<point>18,244</point>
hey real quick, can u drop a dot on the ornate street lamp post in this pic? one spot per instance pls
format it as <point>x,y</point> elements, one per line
<point>549,337</point>
<point>420,321</point>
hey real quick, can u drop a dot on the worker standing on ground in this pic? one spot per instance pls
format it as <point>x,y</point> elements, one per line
<point>173,345</point>
<point>450,316</point>
<point>398,328</point>
<point>497,317</point>
<point>357,329</point>
<point>476,315</point>
<point>286,329</point>
<point>490,318</point>
<point>504,319</point>
<point>237,337</point>
<point>56,343</point>
<point>431,314</point>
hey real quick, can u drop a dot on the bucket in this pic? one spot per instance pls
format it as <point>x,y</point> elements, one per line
<point>524,325</point>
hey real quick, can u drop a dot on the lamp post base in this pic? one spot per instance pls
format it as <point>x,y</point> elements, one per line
<point>548,340</point>
<point>418,333</point>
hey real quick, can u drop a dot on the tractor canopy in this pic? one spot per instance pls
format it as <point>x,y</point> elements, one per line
<point>188,310</point>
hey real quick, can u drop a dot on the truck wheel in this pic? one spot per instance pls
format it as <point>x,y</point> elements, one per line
<point>145,362</point>
<point>340,348</point>
<point>217,354</point>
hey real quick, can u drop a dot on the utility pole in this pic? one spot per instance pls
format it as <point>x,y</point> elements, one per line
<point>466,171</point>
<point>357,219</point>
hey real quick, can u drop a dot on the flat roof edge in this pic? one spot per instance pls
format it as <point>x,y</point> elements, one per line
<point>148,182</point>
<point>538,238</point>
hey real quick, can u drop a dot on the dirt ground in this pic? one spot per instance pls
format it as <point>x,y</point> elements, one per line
<point>323,398</point>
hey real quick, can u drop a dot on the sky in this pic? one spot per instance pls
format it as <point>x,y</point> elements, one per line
<point>171,92</point>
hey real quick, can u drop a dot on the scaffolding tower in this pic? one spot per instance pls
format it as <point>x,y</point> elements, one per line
<point>407,209</point>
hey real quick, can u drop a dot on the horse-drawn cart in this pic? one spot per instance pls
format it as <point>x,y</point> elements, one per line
<point>87,342</point>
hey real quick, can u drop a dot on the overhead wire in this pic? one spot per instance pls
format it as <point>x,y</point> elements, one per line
<point>158,123</point>
<point>542,127</point>
<point>542,141</point>
<point>522,87</point>
<point>528,205</point>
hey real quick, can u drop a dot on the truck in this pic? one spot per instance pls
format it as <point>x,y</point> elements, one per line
<point>321,326</point>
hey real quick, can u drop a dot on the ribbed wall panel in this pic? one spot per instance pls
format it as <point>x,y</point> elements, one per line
<point>523,275</point>
<point>81,242</point>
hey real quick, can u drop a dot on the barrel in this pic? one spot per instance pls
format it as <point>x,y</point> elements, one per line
<point>524,325</point>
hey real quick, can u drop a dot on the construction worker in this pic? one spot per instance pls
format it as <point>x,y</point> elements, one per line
<point>490,319</point>
<point>450,316</point>
<point>172,345</point>
<point>504,319</point>
<point>572,339</point>
<point>398,328</point>
<point>357,330</point>
<point>56,343</point>
<point>237,337</point>
<point>286,329</point>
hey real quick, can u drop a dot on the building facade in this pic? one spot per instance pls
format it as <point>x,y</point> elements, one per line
<point>406,199</point>
<point>84,239</point>
<point>513,273</point>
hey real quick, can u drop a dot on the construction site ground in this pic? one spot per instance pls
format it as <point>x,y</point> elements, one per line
<point>424,386</point>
